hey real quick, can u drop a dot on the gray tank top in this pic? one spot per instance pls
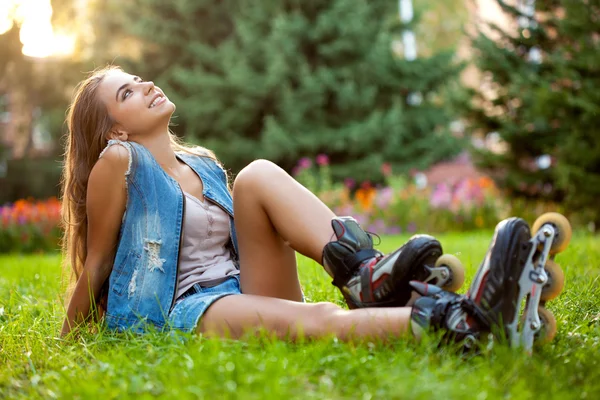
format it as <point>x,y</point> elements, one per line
<point>204,257</point>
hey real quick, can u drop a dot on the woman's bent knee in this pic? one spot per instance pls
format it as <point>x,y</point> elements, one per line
<point>255,172</point>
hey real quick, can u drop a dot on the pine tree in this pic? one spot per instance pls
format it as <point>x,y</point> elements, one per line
<point>541,99</point>
<point>288,79</point>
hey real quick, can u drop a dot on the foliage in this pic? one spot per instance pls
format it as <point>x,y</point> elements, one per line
<point>30,226</point>
<point>38,89</point>
<point>540,96</point>
<point>37,364</point>
<point>283,80</point>
<point>42,177</point>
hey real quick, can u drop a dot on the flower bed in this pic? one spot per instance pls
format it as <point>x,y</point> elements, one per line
<point>409,205</point>
<point>30,226</point>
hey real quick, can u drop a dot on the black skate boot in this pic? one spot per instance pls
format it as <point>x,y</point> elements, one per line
<point>491,304</point>
<point>366,277</point>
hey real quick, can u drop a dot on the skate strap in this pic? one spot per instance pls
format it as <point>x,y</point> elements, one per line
<point>354,260</point>
<point>352,263</point>
<point>366,289</point>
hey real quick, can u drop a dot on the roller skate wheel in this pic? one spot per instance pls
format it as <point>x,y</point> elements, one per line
<point>548,329</point>
<point>457,271</point>
<point>562,227</point>
<point>556,281</point>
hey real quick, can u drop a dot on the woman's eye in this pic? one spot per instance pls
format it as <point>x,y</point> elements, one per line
<point>126,93</point>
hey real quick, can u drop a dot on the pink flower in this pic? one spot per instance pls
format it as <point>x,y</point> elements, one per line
<point>384,197</point>
<point>361,219</point>
<point>386,169</point>
<point>305,163</point>
<point>378,225</point>
<point>393,230</point>
<point>441,196</point>
<point>322,160</point>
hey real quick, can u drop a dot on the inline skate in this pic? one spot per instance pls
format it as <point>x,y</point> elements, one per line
<point>368,278</point>
<point>507,296</point>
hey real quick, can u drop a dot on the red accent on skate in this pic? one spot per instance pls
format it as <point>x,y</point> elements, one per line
<point>481,286</point>
<point>470,321</point>
<point>375,285</point>
<point>343,230</point>
<point>533,290</point>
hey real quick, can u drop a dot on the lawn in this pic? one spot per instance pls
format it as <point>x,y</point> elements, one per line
<point>36,363</point>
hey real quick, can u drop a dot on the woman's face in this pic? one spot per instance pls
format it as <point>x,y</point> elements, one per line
<point>138,108</point>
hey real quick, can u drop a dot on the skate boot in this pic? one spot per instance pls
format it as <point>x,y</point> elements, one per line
<point>368,278</point>
<point>515,269</point>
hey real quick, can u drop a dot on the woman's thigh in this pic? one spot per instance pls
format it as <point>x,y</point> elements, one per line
<point>267,262</point>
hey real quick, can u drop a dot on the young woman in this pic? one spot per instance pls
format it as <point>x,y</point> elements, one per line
<point>150,228</point>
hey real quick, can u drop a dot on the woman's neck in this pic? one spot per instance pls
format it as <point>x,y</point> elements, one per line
<point>160,147</point>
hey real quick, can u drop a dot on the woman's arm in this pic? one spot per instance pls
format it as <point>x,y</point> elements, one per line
<point>105,203</point>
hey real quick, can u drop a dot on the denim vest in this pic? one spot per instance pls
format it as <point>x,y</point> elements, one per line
<point>143,281</point>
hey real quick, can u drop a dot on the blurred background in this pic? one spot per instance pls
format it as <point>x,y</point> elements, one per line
<point>410,115</point>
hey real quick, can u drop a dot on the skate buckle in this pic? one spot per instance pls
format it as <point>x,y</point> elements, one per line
<point>539,276</point>
<point>438,276</point>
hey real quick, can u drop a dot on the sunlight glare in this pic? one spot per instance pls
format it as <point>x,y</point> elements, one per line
<point>37,35</point>
<point>6,20</point>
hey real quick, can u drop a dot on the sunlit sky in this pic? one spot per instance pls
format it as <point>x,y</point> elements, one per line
<point>37,35</point>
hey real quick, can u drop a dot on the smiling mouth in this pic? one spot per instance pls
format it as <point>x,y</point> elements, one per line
<point>157,101</point>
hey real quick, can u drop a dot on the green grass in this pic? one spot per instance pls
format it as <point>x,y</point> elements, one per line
<point>36,363</point>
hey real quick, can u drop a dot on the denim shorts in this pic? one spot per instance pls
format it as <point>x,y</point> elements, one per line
<point>190,306</point>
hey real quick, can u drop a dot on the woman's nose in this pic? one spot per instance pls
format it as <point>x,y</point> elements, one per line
<point>149,86</point>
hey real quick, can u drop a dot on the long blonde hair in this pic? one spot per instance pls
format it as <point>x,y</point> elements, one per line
<point>89,125</point>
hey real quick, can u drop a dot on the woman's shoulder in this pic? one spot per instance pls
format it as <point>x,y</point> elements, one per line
<point>117,154</point>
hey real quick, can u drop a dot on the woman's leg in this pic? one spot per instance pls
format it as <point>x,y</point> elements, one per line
<point>274,215</point>
<point>233,316</point>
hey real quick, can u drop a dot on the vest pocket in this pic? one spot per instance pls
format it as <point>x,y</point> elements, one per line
<point>123,273</point>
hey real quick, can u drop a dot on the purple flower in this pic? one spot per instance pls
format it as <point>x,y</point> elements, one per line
<point>378,225</point>
<point>22,220</point>
<point>349,183</point>
<point>412,227</point>
<point>393,230</point>
<point>361,219</point>
<point>305,163</point>
<point>322,160</point>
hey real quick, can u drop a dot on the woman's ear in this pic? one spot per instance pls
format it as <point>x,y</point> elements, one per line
<point>118,134</point>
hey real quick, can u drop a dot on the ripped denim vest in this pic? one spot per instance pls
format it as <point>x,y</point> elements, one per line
<point>142,284</point>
